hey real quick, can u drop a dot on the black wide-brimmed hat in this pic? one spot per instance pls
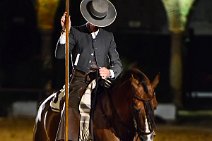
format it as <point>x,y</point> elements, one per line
<point>100,13</point>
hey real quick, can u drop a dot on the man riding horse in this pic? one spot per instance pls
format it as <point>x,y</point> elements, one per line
<point>94,54</point>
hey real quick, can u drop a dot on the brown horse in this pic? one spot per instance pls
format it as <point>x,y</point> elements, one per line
<point>124,112</point>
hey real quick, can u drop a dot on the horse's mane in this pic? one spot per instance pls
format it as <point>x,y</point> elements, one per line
<point>135,72</point>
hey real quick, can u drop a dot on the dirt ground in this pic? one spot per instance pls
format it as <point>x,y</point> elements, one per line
<point>21,129</point>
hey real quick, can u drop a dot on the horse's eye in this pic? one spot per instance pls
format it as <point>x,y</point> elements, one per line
<point>143,82</point>
<point>137,110</point>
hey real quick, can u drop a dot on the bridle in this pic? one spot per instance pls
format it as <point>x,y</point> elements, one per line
<point>149,116</point>
<point>147,106</point>
<point>142,99</point>
<point>148,120</point>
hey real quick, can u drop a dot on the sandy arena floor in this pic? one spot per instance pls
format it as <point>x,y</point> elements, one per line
<point>21,129</point>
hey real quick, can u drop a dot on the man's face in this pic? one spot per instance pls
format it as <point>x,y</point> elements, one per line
<point>92,28</point>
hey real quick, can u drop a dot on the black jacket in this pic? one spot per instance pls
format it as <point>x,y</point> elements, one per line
<point>81,42</point>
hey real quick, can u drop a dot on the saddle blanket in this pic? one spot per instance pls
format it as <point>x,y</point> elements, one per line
<point>84,108</point>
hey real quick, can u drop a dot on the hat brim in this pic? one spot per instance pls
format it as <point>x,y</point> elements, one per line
<point>106,21</point>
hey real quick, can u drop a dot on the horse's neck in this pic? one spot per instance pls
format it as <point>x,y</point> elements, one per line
<point>122,101</point>
<point>121,119</point>
<point>120,94</point>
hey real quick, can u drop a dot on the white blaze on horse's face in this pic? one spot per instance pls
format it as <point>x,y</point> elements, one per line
<point>148,137</point>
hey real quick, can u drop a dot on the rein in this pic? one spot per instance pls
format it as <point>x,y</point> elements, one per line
<point>148,110</point>
<point>132,131</point>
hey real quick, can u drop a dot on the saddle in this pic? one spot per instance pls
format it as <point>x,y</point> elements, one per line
<point>84,106</point>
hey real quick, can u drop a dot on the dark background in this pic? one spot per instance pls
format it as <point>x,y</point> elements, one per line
<point>24,77</point>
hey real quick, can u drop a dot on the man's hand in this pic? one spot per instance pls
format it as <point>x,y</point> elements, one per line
<point>63,21</point>
<point>104,72</point>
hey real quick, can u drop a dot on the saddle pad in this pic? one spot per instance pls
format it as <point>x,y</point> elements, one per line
<point>84,108</point>
<point>57,99</point>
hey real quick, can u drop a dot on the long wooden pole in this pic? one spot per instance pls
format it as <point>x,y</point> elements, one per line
<point>67,70</point>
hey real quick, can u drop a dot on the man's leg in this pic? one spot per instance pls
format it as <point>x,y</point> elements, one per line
<point>77,88</point>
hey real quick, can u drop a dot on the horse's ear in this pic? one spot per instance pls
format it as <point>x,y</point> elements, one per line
<point>133,66</point>
<point>132,76</point>
<point>156,81</point>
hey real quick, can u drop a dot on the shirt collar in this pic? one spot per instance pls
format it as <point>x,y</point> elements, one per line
<point>94,34</point>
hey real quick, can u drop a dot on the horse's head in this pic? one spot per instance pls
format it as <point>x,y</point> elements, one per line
<point>128,107</point>
<point>144,102</point>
